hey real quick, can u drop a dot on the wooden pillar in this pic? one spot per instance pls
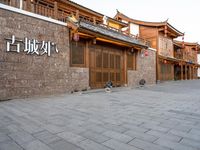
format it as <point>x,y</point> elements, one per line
<point>21,4</point>
<point>87,55</point>
<point>181,71</point>
<point>190,73</point>
<point>196,73</point>
<point>172,71</point>
<point>125,67</point>
<point>28,5</point>
<point>185,72</point>
<point>94,21</point>
<point>55,10</point>
<point>13,3</point>
<point>158,73</point>
<point>77,14</point>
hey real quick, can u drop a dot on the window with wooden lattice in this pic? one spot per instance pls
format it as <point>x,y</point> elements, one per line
<point>131,61</point>
<point>77,54</point>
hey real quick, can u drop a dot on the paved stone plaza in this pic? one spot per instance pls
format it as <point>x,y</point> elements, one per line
<point>160,117</point>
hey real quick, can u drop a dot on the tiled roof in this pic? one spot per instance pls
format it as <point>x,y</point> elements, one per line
<point>111,33</point>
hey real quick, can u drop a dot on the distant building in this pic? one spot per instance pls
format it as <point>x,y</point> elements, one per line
<point>173,63</point>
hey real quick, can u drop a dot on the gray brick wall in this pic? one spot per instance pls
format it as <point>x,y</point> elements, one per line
<point>23,75</point>
<point>146,69</point>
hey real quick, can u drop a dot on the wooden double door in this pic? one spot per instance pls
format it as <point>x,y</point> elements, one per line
<point>106,64</point>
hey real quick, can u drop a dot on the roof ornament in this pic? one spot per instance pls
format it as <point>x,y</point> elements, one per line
<point>183,43</point>
<point>105,20</point>
<point>166,21</point>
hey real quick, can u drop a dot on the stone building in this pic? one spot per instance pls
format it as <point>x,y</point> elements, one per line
<point>54,47</point>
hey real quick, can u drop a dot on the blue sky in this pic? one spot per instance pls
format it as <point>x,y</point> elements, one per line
<point>182,14</point>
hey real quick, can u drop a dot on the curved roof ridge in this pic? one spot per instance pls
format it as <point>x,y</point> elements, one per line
<point>119,13</point>
<point>146,23</point>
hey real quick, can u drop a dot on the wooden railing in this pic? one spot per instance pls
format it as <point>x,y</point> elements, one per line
<point>51,10</point>
<point>6,2</point>
<point>43,10</point>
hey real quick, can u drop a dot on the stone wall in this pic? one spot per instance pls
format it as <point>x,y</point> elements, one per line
<point>23,75</point>
<point>146,69</point>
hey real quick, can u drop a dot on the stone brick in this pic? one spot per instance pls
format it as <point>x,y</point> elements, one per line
<point>116,145</point>
<point>35,145</point>
<point>9,145</point>
<point>91,145</point>
<point>173,145</point>
<point>95,136</point>
<point>71,137</point>
<point>191,143</point>
<point>21,137</point>
<point>167,136</point>
<point>118,136</point>
<point>46,137</point>
<point>146,145</point>
<point>139,135</point>
<point>63,145</point>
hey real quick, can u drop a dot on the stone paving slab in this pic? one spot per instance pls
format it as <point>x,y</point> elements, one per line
<point>161,117</point>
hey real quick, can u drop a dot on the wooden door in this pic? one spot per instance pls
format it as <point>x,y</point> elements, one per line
<point>106,65</point>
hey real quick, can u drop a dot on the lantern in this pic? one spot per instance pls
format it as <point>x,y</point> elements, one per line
<point>165,61</point>
<point>76,37</point>
<point>146,53</point>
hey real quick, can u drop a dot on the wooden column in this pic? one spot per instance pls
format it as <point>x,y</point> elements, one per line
<point>28,5</point>
<point>125,67</point>
<point>21,4</point>
<point>181,71</point>
<point>87,55</point>
<point>185,72</point>
<point>192,68</point>
<point>55,10</point>
<point>13,3</point>
<point>190,73</point>
<point>158,73</point>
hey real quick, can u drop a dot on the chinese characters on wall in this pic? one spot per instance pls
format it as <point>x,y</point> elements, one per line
<point>30,46</point>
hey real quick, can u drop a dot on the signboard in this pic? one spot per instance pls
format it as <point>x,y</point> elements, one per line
<point>30,46</point>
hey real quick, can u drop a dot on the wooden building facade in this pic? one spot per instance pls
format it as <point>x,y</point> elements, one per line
<point>173,61</point>
<point>96,48</point>
<point>187,66</point>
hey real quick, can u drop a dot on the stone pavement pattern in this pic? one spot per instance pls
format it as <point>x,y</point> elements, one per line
<point>161,117</point>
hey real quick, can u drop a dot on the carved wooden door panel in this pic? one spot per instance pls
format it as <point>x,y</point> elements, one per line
<point>106,65</point>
